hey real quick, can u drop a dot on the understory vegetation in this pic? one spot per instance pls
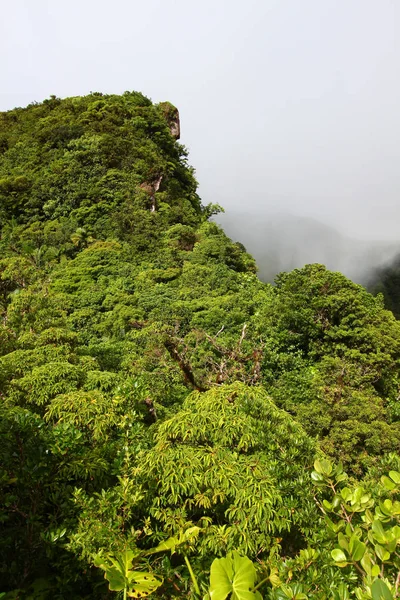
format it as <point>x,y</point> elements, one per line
<point>171,426</point>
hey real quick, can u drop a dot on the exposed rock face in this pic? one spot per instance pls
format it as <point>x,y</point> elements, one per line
<point>151,188</point>
<point>171,115</point>
<point>175,127</point>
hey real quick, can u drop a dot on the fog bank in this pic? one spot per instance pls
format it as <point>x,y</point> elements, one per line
<point>282,242</point>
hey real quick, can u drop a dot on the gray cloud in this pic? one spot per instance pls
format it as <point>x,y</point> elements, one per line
<point>286,106</point>
<point>282,242</point>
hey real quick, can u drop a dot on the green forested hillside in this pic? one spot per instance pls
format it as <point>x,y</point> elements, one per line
<point>161,407</point>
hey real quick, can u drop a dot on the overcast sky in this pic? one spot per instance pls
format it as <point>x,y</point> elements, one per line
<point>286,105</point>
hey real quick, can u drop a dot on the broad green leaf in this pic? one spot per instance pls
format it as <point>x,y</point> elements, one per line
<point>382,553</point>
<point>326,467</point>
<point>317,477</point>
<point>365,499</point>
<point>395,476</point>
<point>378,532</point>
<point>388,483</point>
<point>117,572</point>
<point>234,575</point>
<point>388,504</point>
<point>366,563</point>
<point>375,571</point>
<point>343,541</point>
<point>357,495</point>
<point>168,544</point>
<point>339,557</point>
<point>385,509</point>
<point>380,591</point>
<point>318,466</point>
<point>120,577</point>
<point>115,578</point>
<point>274,577</point>
<point>341,477</point>
<point>172,542</point>
<point>345,493</point>
<point>142,584</point>
<point>357,549</point>
<point>396,532</point>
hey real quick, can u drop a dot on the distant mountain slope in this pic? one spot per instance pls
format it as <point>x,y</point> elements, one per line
<point>386,280</point>
<point>285,242</point>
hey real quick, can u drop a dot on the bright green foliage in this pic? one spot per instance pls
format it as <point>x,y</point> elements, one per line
<point>231,461</point>
<point>150,382</point>
<point>137,584</point>
<point>118,572</point>
<point>359,534</point>
<point>362,533</point>
<point>86,159</point>
<point>339,376</point>
<point>233,577</point>
<point>239,476</point>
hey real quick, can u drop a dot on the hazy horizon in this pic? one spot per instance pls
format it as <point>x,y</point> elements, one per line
<point>285,241</point>
<point>285,107</point>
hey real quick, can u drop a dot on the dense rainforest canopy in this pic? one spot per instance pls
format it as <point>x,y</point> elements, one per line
<point>168,419</point>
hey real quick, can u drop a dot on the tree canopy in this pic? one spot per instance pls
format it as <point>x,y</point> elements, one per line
<point>161,407</point>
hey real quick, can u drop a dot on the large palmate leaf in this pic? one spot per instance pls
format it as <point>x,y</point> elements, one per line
<point>118,572</point>
<point>233,577</point>
<point>116,568</point>
<point>142,584</point>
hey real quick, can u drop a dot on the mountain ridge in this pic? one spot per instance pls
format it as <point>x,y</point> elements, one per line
<point>155,393</point>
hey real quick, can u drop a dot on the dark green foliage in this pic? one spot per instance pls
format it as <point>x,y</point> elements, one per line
<point>386,281</point>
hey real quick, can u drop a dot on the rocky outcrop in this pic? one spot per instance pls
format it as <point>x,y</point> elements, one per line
<point>151,188</point>
<point>171,114</point>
